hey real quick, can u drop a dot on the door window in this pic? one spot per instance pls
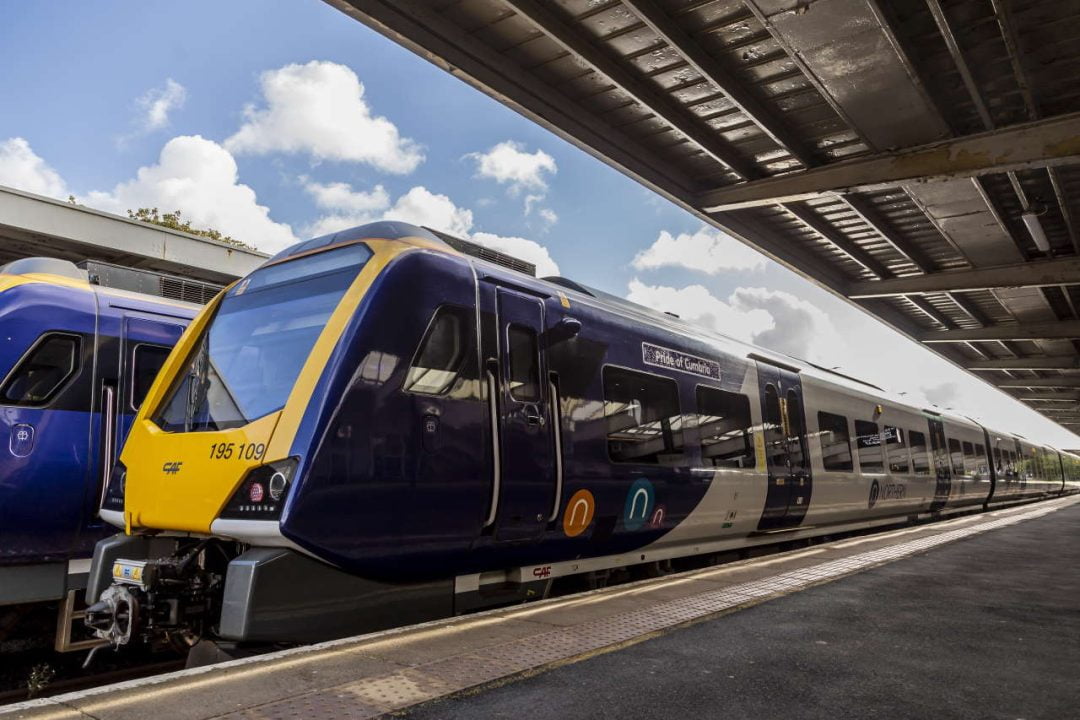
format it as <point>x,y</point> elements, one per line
<point>797,437</point>
<point>644,424</point>
<point>726,428</point>
<point>43,371</point>
<point>775,441</point>
<point>868,444</point>
<point>835,442</point>
<point>524,364</point>
<point>146,361</point>
<point>919,458</point>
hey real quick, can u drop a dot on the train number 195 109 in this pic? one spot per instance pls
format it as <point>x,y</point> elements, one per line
<point>240,451</point>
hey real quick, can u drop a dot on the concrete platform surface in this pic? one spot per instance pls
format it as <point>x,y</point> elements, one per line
<point>987,627</point>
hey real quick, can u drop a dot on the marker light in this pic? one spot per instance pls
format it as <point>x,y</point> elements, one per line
<point>262,493</point>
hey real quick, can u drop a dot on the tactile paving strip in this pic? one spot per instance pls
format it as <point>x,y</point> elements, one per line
<point>376,695</point>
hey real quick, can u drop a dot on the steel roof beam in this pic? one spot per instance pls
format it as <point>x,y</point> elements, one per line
<point>683,43</point>
<point>852,249</point>
<point>1050,362</point>
<point>1064,381</point>
<point>1067,329</point>
<point>1043,143</point>
<point>576,43</point>
<point>1069,397</point>
<point>1039,273</point>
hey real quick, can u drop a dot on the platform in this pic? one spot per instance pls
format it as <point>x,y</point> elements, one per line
<point>972,617</point>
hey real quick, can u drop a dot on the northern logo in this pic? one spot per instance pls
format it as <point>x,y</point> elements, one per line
<point>171,468</point>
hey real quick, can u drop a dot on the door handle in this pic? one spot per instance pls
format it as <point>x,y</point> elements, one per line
<point>533,416</point>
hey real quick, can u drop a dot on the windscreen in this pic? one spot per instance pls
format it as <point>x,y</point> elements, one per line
<point>248,358</point>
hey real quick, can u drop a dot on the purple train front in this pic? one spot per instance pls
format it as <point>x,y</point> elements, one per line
<point>375,427</point>
<point>76,359</point>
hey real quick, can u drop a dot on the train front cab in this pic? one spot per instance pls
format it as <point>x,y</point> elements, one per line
<point>75,364</point>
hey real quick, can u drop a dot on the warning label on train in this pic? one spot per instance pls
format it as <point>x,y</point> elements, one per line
<point>675,360</point>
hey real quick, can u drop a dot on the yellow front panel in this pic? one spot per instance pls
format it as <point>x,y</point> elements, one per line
<point>181,481</point>
<point>176,481</point>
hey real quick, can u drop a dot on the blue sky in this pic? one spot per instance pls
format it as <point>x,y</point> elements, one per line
<point>272,121</point>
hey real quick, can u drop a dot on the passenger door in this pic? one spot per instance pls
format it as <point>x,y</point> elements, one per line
<point>784,425</point>
<point>943,472</point>
<point>526,467</point>
<point>124,377</point>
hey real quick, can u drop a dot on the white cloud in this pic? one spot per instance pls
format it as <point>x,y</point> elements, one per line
<point>799,328</point>
<point>420,206</point>
<point>198,177</point>
<point>548,215</point>
<point>319,109</point>
<point>527,250</point>
<point>707,250</point>
<point>697,304</point>
<point>157,103</point>
<point>348,208</point>
<point>772,319</point>
<point>21,168</point>
<point>508,163</point>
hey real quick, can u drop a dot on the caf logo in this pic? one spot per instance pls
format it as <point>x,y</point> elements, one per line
<point>875,490</point>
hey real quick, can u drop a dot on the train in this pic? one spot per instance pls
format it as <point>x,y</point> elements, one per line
<point>79,354</point>
<point>384,424</point>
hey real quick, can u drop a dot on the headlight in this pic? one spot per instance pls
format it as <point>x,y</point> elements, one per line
<point>262,492</point>
<point>113,498</point>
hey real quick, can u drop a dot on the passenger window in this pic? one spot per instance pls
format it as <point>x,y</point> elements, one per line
<point>981,471</point>
<point>835,442</point>
<point>146,361</point>
<point>997,460</point>
<point>725,427</point>
<point>868,444</point>
<point>643,420</point>
<point>442,352</point>
<point>970,466</point>
<point>524,364</point>
<point>919,459</point>
<point>896,444</point>
<point>43,371</point>
<point>956,457</point>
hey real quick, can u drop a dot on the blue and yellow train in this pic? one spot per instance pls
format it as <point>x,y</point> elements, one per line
<point>76,361</point>
<point>374,427</point>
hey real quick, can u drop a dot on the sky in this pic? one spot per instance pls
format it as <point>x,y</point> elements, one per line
<point>275,122</point>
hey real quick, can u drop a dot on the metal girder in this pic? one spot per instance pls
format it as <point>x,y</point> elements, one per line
<point>572,40</point>
<point>1070,397</point>
<point>670,32</point>
<point>1040,273</point>
<point>1063,382</point>
<point>852,249</point>
<point>1044,143</point>
<point>1021,331</point>
<point>1054,362</point>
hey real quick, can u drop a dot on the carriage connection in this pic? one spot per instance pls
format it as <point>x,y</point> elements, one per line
<point>78,356</point>
<point>376,427</point>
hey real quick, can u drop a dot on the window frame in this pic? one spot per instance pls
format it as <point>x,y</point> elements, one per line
<point>926,453</point>
<point>880,447</point>
<point>748,431</point>
<point>459,364</point>
<point>134,375</point>
<point>847,437</point>
<point>41,339</point>
<point>903,446</point>
<point>681,448</point>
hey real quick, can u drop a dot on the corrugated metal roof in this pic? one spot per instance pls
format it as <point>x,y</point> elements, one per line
<point>895,140</point>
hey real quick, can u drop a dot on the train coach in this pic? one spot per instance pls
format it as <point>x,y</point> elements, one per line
<point>377,426</point>
<point>76,361</point>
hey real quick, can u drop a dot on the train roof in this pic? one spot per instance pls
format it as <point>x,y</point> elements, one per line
<point>117,284</point>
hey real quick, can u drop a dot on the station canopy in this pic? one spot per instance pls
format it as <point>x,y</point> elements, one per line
<point>920,158</point>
